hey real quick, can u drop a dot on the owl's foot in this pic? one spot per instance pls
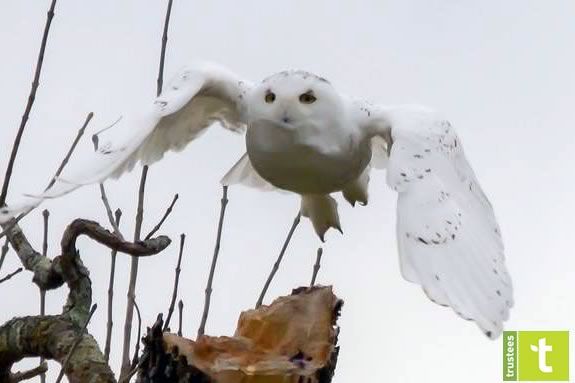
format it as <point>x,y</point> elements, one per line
<point>356,190</point>
<point>321,209</point>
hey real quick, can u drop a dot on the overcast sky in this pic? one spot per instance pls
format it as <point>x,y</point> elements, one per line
<point>502,71</point>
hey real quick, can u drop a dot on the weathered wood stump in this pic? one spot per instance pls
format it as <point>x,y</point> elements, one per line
<point>293,340</point>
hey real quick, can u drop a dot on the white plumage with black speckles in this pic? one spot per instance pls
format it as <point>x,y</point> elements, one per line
<point>305,137</point>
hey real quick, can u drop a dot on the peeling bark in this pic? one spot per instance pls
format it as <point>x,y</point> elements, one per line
<point>292,340</point>
<point>52,337</point>
<point>44,275</point>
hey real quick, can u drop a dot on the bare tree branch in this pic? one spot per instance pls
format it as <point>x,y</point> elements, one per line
<point>114,219</point>
<point>316,266</point>
<point>109,213</point>
<point>180,316</point>
<point>137,346</point>
<point>133,278</point>
<point>93,230</point>
<point>12,223</point>
<point>71,150</point>
<point>176,281</point>
<point>95,136</point>
<point>73,272</point>
<point>44,274</point>
<point>26,375</point>
<point>140,210</point>
<point>166,214</point>
<point>53,336</point>
<point>134,264</point>
<point>208,291</point>
<point>9,276</point>
<point>46,216</point>
<point>31,98</point>
<point>110,322</point>
<point>42,313</point>
<point>278,261</point>
<point>3,252</point>
<point>145,356</point>
<point>63,164</point>
<point>160,81</point>
<point>75,344</point>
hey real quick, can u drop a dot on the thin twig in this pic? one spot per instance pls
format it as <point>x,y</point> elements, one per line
<point>3,252</point>
<point>45,216</point>
<point>133,278</point>
<point>176,281</point>
<point>27,375</point>
<point>95,136</point>
<point>144,359</point>
<point>137,348</point>
<point>166,214</point>
<point>114,219</point>
<point>140,211</point>
<point>125,369</point>
<point>30,103</point>
<point>70,151</point>
<point>278,261</point>
<point>9,276</point>
<point>180,316</point>
<point>160,81</point>
<point>208,291</point>
<point>110,322</point>
<point>75,345</point>
<point>109,213</point>
<point>316,266</point>
<point>126,378</point>
<point>63,164</point>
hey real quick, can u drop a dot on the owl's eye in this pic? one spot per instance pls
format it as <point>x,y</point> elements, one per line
<point>270,97</point>
<point>307,98</point>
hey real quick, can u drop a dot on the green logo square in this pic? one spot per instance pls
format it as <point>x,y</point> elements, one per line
<point>536,356</point>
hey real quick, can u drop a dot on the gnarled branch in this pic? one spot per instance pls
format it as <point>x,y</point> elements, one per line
<point>93,230</point>
<point>44,275</point>
<point>52,337</point>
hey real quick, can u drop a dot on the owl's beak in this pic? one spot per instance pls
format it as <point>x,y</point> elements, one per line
<point>285,118</point>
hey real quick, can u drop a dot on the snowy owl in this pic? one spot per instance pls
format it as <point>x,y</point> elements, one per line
<point>303,136</point>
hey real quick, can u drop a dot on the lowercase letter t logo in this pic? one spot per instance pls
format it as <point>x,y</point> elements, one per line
<point>538,356</point>
<point>542,348</point>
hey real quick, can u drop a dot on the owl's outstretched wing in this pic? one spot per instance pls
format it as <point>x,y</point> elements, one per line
<point>448,238</point>
<point>196,98</point>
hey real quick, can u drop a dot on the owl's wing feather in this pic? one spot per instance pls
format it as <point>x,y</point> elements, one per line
<point>195,99</point>
<point>243,173</point>
<point>448,238</point>
<point>379,156</point>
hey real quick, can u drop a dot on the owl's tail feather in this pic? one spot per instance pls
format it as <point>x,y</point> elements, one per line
<point>321,209</point>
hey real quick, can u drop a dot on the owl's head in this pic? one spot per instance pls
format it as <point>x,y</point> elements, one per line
<point>295,98</point>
